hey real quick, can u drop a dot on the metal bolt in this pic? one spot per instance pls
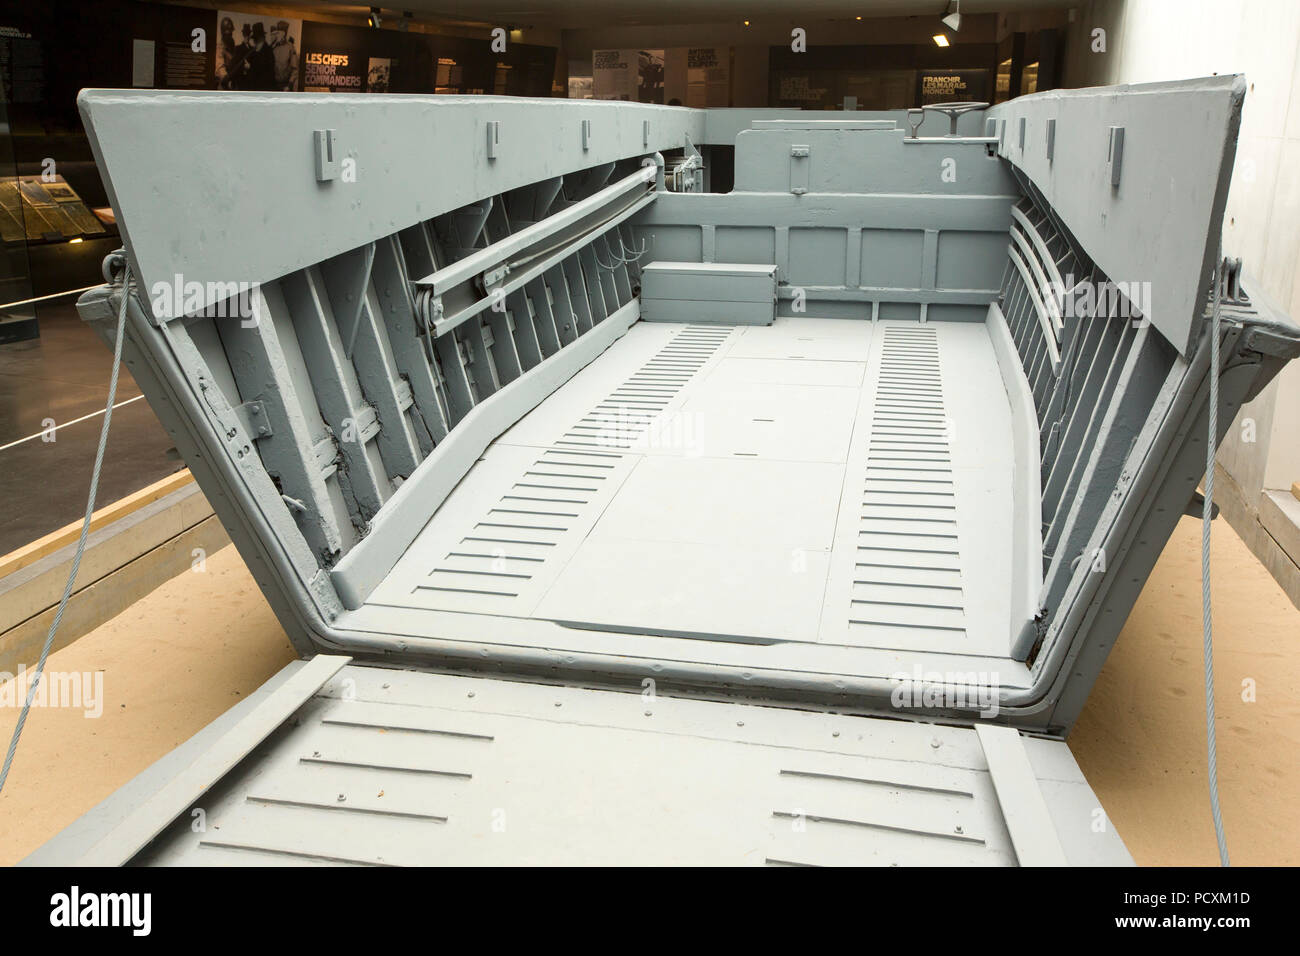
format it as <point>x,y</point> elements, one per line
<point>342,797</point>
<point>934,742</point>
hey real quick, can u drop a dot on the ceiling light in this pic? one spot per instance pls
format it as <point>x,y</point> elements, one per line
<point>746,23</point>
<point>940,40</point>
<point>953,20</point>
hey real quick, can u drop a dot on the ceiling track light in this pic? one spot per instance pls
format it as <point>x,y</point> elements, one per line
<point>953,20</point>
<point>375,19</point>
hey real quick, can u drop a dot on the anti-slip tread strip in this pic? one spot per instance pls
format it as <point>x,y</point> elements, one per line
<point>575,458</point>
<point>907,574</point>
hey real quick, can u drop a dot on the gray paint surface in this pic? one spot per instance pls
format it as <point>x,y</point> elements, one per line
<point>385,767</point>
<point>1160,221</point>
<point>252,215</point>
<point>860,221</point>
<point>723,293</point>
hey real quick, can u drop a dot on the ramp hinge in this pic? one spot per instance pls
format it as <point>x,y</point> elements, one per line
<point>1230,291</point>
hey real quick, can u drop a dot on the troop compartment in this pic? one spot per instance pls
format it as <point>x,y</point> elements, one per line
<point>423,403</point>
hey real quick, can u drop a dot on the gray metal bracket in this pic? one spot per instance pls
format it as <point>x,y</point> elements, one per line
<point>326,151</point>
<point>1196,507</point>
<point>800,159</point>
<point>1115,155</point>
<point>253,418</point>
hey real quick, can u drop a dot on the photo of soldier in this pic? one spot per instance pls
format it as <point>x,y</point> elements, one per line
<point>650,76</point>
<point>239,62</point>
<point>225,53</point>
<point>286,57</point>
<point>266,58</point>
<point>259,68</point>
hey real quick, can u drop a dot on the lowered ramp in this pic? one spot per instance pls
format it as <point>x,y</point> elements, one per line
<point>376,766</point>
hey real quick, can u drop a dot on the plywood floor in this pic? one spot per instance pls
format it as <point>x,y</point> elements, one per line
<point>818,480</point>
<point>180,657</point>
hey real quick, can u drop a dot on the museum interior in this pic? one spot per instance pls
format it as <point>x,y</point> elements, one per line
<point>184,647</point>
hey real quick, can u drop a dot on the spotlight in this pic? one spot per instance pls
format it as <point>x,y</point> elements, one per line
<point>375,20</point>
<point>940,40</point>
<point>953,20</point>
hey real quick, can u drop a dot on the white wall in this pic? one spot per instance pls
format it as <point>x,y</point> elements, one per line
<point>1150,40</point>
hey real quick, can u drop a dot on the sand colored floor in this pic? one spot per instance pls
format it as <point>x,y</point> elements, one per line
<point>1141,738</point>
<point>187,652</point>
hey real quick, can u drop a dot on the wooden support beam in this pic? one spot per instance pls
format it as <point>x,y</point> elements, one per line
<point>29,554</point>
<point>127,577</point>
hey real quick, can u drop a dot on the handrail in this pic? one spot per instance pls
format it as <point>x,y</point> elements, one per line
<point>501,267</point>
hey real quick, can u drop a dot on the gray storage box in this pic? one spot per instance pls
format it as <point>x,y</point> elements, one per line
<point>727,293</point>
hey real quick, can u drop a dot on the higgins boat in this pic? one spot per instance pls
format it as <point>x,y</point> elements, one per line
<point>656,485</point>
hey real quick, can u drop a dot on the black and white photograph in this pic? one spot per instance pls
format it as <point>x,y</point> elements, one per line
<point>586,434</point>
<point>257,52</point>
<point>379,77</point>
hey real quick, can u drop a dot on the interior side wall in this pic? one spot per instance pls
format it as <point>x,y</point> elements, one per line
<point>860,223</point>
<point>1260,454</point>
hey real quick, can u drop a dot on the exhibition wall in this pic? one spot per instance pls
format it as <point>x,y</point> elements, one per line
<point>55,224</point>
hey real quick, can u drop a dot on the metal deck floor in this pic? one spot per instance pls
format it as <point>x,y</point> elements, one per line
<point>383,766</point>
<point>818,480</point>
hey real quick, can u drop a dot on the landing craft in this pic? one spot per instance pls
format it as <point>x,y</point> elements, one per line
<point>931,468</point>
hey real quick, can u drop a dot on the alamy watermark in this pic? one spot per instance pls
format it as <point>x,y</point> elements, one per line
<point>75,908</point>
<point>211,300</point>
<point>1081,298</point>
<point>946,690</point>
<point>78,690</point>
